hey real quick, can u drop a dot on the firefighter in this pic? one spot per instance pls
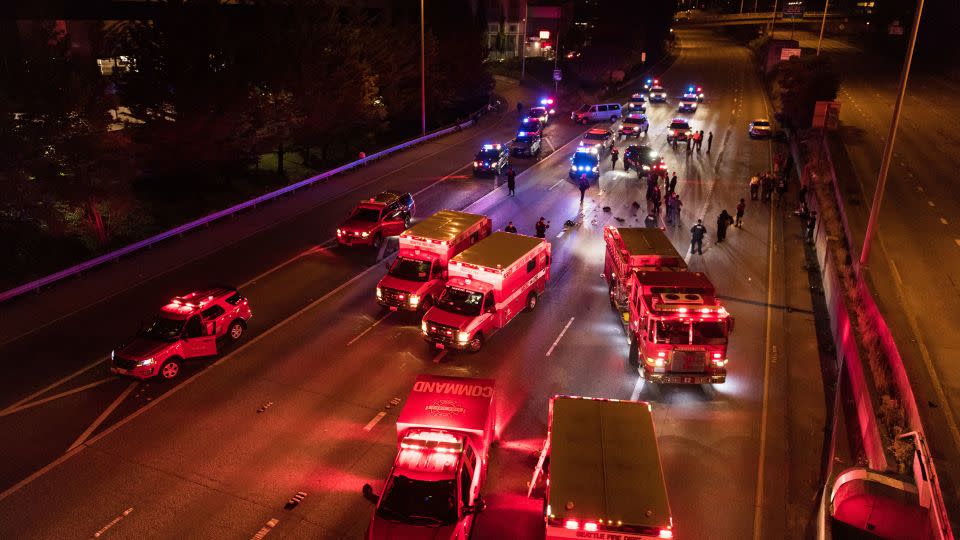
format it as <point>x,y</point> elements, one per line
<point>723,221</point>
<point>542,227</point>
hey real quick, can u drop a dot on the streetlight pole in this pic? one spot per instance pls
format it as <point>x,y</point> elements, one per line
<point>523,43</point>
<point>823,24</point>
<point>423,77</point>
<point>773,20</point>
<point>556,63</point>
<point>891,136</point>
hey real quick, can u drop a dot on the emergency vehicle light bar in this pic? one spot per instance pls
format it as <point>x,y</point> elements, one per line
<point>432,441</point>
<point>491,146</point>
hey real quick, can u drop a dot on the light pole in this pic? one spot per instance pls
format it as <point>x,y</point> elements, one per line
<point>423,77</point>
<point>823,24</point>
<point>523,43</point>
<point>773,21</point>
<point>891,136</point>
<point>556,62</point>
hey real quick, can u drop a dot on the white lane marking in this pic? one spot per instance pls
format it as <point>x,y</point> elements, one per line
<point>560,181</point>
<point>103,416</point>
<point>53,385</point>
<point>369,328</point>
<point>115,520</point>
<point>561,233</point>
<point>562,332</point>
<point>373,422</point>
<point>637,388</point>
<point>32,404</point>
<point>287,262</point>
<point>447,177</point>
<point>896,272</point>
<point>265,530</point>
<point>944,221</point>
<point>439,357</point>
<point>930,203</point>
<point>550,144</point>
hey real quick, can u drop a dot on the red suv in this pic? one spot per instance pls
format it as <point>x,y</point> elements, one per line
<point>387,214</point>
<point>190,326</point>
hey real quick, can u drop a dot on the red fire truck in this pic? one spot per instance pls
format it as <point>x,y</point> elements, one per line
<point>488,285</point>
<point>677,328</point>
<point>602,470</point>
<point>629,249</point>
<point>443,436</point>
<point>416,277</point>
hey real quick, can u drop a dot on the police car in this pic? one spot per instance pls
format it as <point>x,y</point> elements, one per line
<point>688,103</point>
<point>531,125</point>
<point>657,94</point>
<point>586,160</point>
<point>679,130</point>
<point>643,159</point>
<point>541,114</point>
<point>633,125</point>
<point>527,143</point>
<point>697,91</point>
<point>651,82</point>
<point>549,104</point>
<point>491,159</point>
<point>599,138</point>
<point>637,104</point>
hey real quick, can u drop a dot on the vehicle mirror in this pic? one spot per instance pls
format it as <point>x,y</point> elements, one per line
<point>369,495</point>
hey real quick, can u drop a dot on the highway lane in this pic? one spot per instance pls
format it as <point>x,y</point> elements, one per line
<point>203,462</point>
<point>915,261</point>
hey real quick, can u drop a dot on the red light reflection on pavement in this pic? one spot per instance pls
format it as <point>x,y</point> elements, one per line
<point>510,516</point>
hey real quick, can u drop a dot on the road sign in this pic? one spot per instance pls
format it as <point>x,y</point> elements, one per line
<point>794,10</point>
<point>787,53</point>
<point>894,29</point>
<point>557,76</point>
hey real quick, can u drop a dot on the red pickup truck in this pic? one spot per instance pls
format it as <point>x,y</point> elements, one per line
<point>373,219</point>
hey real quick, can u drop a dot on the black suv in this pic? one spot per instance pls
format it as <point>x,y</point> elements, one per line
<point>642,159</point>
<point>491,159</point>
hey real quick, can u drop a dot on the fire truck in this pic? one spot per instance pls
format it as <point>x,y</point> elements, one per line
<point>444,434</point>
<point>602,470</point>
<point>416,277</point>
<point>488,285</point>
<point>677,328</point>
<point>629,249</point>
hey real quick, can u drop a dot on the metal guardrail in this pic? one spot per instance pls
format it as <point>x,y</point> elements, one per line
<point>206,220</point>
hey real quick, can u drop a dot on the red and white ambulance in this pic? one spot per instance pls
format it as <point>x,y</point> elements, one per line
<point>488,285</point>
<point>444,434</point>
<point>415,279</point>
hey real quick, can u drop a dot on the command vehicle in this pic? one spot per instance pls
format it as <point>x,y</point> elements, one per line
<point>585,161</point>
<point>190,326</point>
<point>630,249</point>
<point>491,159</point>
<point>657,95</point>
<point>679,130</point>
<point>633,125</point>
<point>488,285</point>
<point>417,276</point>
<point>677,328</point>
<point>376,218</point>
<point>644,160</point>
<point>601,467</point>
<point>688,103</point>
<point>444,434</point>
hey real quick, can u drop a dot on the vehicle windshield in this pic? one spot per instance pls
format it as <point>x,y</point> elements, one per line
<point>163,329</point>
<point>460,301</point>
<point>584,159</point>
<point>709,333</point>
<point>410,269</point>
<point>366,214</point>
<point>657,89</point>
<point>688,98</point>
<point>583,108</point>
<point>631,120</point>
<point>488,155</point>
<point>673,331</point>
<point>761,123</point>
<point>525,139</point>
<point>538,112</point>
<point>419,502</point>
<point>595,137</point>
<point>679,125</point>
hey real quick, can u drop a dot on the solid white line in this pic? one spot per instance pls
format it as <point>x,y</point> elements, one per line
<point>116,520</point>
<point>560,181</point>
<point>375,420</point>
<point>51,386</point>
<point>637,388</point>
<point>562,332</point>
<point>11,410</point>
<point>265,530</point>
<point>417,194</point>
<point>103,416</point>
<point>283,264</point>
<point>439,357</point>
<point>550,144</point>
<point>369,328</point>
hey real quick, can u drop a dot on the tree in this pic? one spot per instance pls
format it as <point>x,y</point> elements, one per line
<point>804,81</point>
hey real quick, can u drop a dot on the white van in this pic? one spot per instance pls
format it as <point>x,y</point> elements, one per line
<point>597,113</point>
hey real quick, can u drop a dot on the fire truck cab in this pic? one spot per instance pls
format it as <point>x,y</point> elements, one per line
<point>488,285</point>
<point>189,326</point>
<point>677,328</point>
<point>444,434</point>
<point>602,473</point>
<point>415,279</point>
<point>632,248</point>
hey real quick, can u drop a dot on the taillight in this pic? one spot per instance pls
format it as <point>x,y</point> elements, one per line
<point>590,526</point>
<point>716,356</point>
<point>666,533</point>
<point>572,524</point>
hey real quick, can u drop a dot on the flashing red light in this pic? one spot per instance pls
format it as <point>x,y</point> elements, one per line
<point>666,533</point>
<point>699,89</point>
<point>549,101</point>
<point>590,526</point>
<point>716,355</point>
<point>572,524</point>
<point>681,310</point>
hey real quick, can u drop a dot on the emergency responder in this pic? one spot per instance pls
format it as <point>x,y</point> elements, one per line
<point>583,184</point>
<point>673,183</point>
<point>542,227</point>
<point>741,206</point>
<point>614,156</point>
<point>697,232</point>
<point>754,186</point>
<point>510,228</point>
<point>723,221</point>
<point>511,182</point>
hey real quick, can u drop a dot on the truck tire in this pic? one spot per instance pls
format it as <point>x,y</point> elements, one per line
<point>531,302</point>
<point>236,330</point>
<point>170,369</point>
<point>475,344</point>
<point>613,119</point>
<point>407,221</point>
<point>634,356</point>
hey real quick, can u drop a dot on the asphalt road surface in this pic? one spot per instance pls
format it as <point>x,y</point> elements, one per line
<point>196,459</point>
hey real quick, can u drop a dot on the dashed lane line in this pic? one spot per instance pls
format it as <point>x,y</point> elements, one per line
<point>265,530</point>
<point>944,221</point>
<point>369,328</point>
<point>374,421</point>
<point>115,520</point>
<point>562,332</point>
<point>931,203</point>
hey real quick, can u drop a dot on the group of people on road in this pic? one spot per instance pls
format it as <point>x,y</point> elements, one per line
<point>540,227</point>
<point>695,141</point>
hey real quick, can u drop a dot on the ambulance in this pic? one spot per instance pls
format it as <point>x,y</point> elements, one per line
<point>417,276</point>
<point>488,285</point>
<point>444,434</point>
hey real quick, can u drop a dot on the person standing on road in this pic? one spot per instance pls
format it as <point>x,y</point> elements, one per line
<point>510,228</point>
<point>583,185</point>
<point>511,182</point>
<point>689,142</point>
<point>741,206</point>
<point>657,199</point>
<point>650,221</point>
<point>699,140</point>
<point>754,186</point>
<point>709,141</point>
<point>766,186</point>
<point>542,227</point>
<point>672,188</point>
<point>697,232</point>
<point>723,221</point>
<point>781,189</point>
<point>614,156</point>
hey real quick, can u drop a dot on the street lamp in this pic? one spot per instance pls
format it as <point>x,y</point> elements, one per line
<point>891,137</point>
<point>823,24</point>
<point>423,78</point>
